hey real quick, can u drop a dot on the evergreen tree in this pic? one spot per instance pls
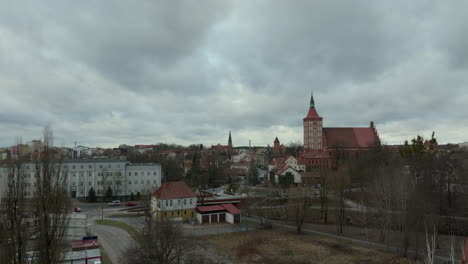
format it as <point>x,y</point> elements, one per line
<point>92,195</point>
<point>138,196</point>
<point>109,192</point>
<point>132,197</point>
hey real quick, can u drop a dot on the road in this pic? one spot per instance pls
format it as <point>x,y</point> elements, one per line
<point>115,241</point>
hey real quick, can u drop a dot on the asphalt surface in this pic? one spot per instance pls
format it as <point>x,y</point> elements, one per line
<point>114,240</point>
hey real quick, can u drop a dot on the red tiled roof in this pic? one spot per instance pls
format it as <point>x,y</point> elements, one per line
<point>350,137</point>
<point>278,161</point>
<point>282,169</point>
<point>231,208</point>
<point>214,208</point>
<point>84,243</point>
<point>210,208</point>
<point>174,190</point>
<point>312,114</point>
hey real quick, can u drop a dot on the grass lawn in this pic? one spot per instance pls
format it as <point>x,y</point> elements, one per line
<point>275,247</point>
<point>130,230</point>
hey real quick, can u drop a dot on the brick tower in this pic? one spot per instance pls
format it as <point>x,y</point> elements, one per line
<point>312,128</point>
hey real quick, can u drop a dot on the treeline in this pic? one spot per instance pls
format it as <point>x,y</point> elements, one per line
<point>32,227</point>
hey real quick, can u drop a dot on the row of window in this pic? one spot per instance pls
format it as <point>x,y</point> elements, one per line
<point>169,202</point>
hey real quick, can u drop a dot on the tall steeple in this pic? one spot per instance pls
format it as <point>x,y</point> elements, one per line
<point>230,140</point>
<point>312,128</point>
<point>312,103</point>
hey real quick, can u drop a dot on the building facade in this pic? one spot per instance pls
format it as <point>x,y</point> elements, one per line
<point>122,177</point>
<point>174,200</point>
<point>324,145</point>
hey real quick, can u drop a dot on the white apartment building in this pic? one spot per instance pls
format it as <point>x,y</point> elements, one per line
<point>123,177</point>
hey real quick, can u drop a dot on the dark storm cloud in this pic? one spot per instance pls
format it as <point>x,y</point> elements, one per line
<point>105,73</point>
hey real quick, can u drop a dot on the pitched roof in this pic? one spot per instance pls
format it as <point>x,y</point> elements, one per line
<point>221,207</point>
<point>282,169</point>
<point>350,137</point>
<point>210,208</point>
<point>312,114</point>
<point>174,190</point>
<point>276,140</point>
<point>231,208</point>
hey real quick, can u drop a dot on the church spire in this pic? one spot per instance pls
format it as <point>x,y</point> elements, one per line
<point>312,103</point>
<point>230,140</point>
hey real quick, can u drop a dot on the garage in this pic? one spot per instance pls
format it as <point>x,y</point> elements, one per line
<point>206,219</point>
<point>222,217</point>
<point>214,218</point>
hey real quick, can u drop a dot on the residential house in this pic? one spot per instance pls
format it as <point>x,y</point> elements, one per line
<point>174,200</point>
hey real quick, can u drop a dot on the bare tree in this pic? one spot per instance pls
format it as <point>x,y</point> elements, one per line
<point>51,202</point>
<point>13,219</point>
<point>162,243</point>
<point>300,205</point>
<point>430,246</point>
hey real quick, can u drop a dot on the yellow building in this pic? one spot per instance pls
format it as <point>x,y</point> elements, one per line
<point>174,199</point>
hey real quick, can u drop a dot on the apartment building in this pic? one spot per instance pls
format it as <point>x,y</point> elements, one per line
<point>123,177</point>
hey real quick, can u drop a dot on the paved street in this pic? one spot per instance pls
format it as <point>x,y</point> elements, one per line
<point>114,240</point>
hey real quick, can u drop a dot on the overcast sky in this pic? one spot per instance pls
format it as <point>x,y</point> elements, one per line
<point>105,73</point>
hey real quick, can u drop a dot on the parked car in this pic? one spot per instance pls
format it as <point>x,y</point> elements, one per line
<point>77,210</point>
<point>114,203</point>
<point>130,204</point>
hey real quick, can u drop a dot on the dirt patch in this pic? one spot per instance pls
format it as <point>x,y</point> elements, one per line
<point>275,247</point>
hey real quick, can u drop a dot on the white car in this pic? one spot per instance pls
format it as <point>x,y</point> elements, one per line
<point>114,203</point>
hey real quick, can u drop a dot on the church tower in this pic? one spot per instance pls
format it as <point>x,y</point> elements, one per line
<point>312,128</point>
<point>230,140</point>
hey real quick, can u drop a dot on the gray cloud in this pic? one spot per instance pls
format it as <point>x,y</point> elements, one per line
<point>188,72</point>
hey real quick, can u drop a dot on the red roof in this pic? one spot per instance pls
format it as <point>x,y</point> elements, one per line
<point>214,208</point>
<point>174,190</point>
<point>210,208</point>
<point>350,137</point>
<point>84,243</point>
<point>231,208</point>
<point>312,114</point>
<point>282,169</point>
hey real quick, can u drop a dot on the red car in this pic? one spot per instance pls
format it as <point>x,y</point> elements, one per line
<point>130,204</point>
<point>77,210</point>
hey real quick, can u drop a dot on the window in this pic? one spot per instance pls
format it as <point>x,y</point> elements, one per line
<point>171,202</point>
<point>148,182</point>
<point>89,183</point>
<point>129,182</point>
<point>89,166</point>
<point>100,166</point>
<point>190,201</point>
<point>73,167</point>
<point>81,166</point>
<point>155,173</point>
<point>148,173</point>
<point>136,182</point>
<point>129,174</point>
<point>185,202</point>
<point>136,173</point>
<point>167,203</point>
<point>142,182</point>
<point>109,166</point>
<point>178,202</point>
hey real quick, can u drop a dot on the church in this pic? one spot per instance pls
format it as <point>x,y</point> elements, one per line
<point>323,146</point>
